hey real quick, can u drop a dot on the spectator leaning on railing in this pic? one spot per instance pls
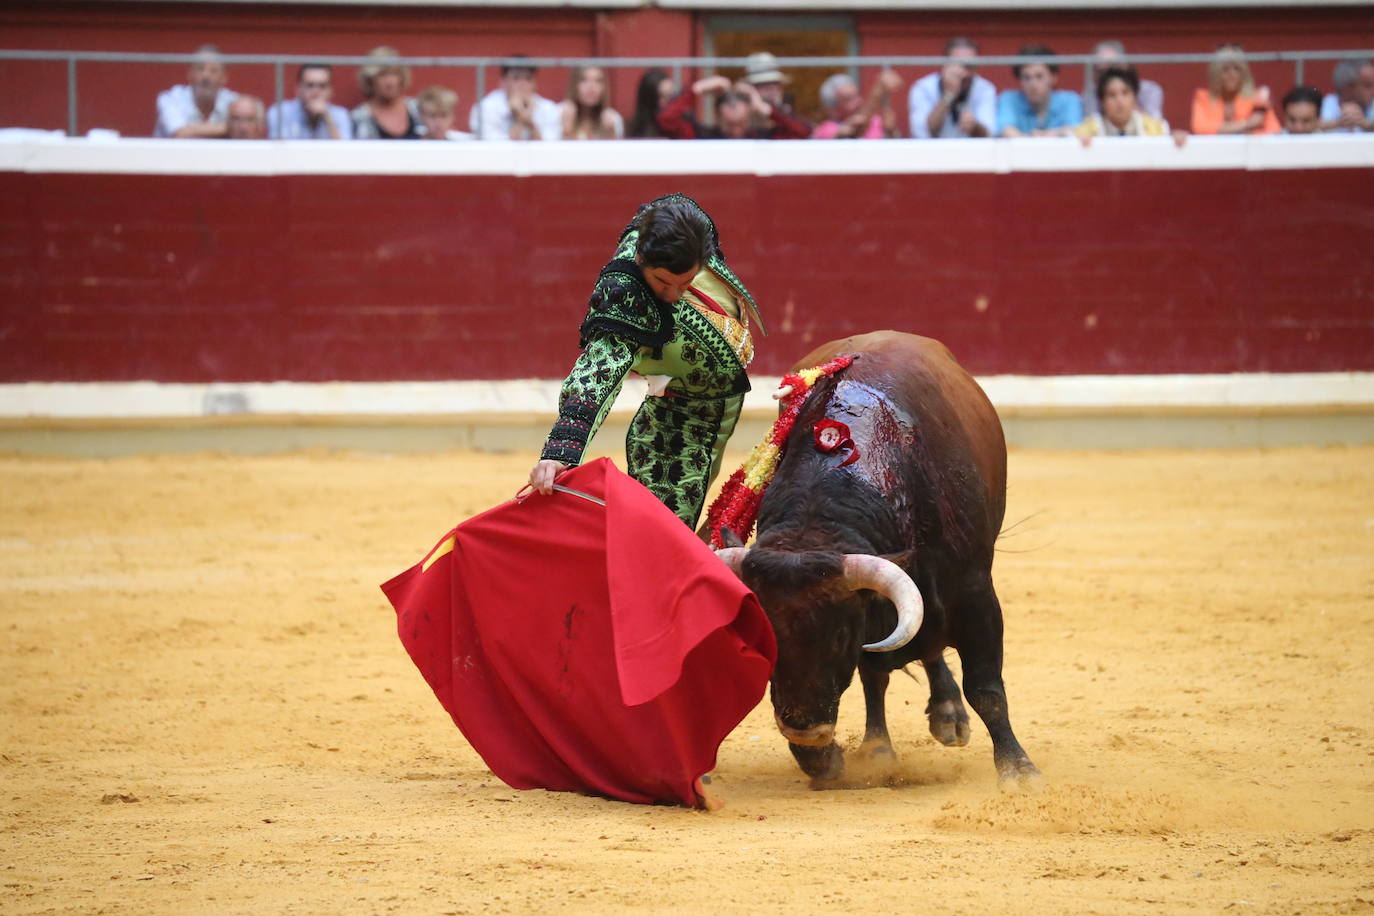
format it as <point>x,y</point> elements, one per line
<point>310,116</point>
<point>247,120</point>
<point>1231,104</point>
<point>586,113</point>
<point>1120,114</point>
<point>516,111</point>
<point>1037,109</point>
<point>438,108</point>
<point>849,115</point>
<point>1113,54</point>
<point>734,110</point>
<point>954,102</point>
<point>200,108</point>
<point>1351,106</point>
<point>386,112</point>
<point>655,90</point>
<point>1302,110</point>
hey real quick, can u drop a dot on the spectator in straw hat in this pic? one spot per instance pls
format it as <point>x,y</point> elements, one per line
<point>763,85</point>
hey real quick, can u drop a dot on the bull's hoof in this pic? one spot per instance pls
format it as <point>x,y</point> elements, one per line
<point>1019,775</point>
<point>820,763</point>
<point>948,722</point>
<point>877,750</point>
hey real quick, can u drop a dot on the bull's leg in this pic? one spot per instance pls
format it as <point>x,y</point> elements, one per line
<point>877,743</point>
<point>948,718</point>
<point>980,650</point>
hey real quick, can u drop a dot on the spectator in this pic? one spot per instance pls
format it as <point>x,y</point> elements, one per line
<point>762,78</point>
<point>438,106</point>
<point>1231,104</point>
<point>516,111</point>
<point>1302,108</point>
<point>1120,113</point>
<point>656,89</point>
<point>1113,54</point>
<point>586,114</point>
<point>309,116</point>
<point>734,109</point>
<point>1351,106</point>
<point>386,113</point>
<point>955,102</point>
<point>246,119</point>
<point>1037,109</point>
<point>200,108</point>
<point>849,115</point>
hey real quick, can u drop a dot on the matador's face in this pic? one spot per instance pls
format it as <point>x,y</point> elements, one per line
<point>666,285</point>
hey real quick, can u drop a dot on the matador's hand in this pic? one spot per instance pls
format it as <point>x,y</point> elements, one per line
<point>543,474</point>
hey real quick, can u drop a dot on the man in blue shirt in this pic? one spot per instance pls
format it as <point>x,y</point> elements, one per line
<point>1037,109</point>
<point>309,116</point>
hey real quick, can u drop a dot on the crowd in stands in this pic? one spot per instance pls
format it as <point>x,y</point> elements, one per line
<point>954,101</point>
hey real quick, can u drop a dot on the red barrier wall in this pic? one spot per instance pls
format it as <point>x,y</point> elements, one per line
<point>121,96</point>
<point>313,278</point>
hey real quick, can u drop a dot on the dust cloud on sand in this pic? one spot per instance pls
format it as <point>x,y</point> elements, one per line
<point>205,708</point>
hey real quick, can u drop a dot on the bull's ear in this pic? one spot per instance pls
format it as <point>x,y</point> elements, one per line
<point>729,538</point>
<point>902,559</point>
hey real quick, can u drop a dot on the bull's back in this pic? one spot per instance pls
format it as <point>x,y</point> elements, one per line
<point>924,376</point>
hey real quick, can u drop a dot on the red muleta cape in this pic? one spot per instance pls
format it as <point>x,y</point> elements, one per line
<point>586,648</point>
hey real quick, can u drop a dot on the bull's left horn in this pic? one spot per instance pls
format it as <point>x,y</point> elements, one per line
<point>891,581</point>
<point>733,557</point>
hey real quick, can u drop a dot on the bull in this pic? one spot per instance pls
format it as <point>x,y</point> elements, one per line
<point>877,552</point>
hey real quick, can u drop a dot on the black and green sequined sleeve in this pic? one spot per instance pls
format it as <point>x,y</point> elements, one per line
<point>587,395</point>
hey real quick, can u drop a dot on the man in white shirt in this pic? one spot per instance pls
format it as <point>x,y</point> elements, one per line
<point>955,102</point>
<point>200,108</point>
<point>309,116</point>
<point>1351,107</point>
<point>516,111</point>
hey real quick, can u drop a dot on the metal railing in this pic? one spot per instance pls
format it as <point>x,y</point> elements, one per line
<point>279,63</point>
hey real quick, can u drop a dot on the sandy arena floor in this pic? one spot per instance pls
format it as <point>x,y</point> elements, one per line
<point>205,708</point>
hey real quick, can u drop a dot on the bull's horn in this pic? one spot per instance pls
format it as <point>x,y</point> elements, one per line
<point>782,392</point>
<point>733,557</point>
<point>891,581</point>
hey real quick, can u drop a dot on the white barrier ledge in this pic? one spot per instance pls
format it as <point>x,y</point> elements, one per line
<point>1010,393</point>
<point>23,151</point>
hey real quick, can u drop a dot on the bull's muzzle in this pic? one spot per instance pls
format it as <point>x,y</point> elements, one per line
<point>815,736</point>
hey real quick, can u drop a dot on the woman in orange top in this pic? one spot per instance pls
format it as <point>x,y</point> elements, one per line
<point>1231,104</point>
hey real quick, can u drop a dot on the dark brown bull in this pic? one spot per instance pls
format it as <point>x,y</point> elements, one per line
<point>840,542</point>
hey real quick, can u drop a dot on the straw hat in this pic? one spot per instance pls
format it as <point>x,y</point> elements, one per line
<point>762,67</point>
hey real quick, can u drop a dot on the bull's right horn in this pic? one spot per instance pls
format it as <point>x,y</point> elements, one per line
<point>891,581</point>
<point>733,557</point>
